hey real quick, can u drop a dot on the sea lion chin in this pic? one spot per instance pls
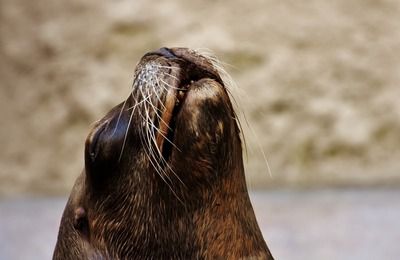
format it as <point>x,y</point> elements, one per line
<point>163,175</point>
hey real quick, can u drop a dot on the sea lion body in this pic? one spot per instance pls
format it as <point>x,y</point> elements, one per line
<point>163,176</point>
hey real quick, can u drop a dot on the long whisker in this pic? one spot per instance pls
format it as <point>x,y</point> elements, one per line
<point>165,67</point>
<point>169,85</point>
<point>150,137</point>
<point>170,75</point>
<point>159,152</point>
<point>126,135</point>
<point>119,117</point>
<point>230,83</point>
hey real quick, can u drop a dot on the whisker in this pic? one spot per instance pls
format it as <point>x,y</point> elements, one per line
<point>169,85</point>
<point>165,67</point>
<point>138,103</point>
<point>150,135</point>
<point>152,157</point>
<point>126,135</point>
<point>163,135</point>
<point>170,75</point>
<point>230,83</point>
<point>159,110</point>
<point>119,117</point>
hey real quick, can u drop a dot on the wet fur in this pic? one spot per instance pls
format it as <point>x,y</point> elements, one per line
<point>131,202</point>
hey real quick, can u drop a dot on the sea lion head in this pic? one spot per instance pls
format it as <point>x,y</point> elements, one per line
<point>163,174</point>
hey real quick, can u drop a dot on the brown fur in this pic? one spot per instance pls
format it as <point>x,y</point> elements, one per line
<point>156,200</point>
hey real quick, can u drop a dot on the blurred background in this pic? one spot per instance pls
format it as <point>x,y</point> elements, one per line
<point>318,85</point>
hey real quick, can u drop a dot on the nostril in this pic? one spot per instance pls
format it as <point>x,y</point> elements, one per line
<point>165,52</point>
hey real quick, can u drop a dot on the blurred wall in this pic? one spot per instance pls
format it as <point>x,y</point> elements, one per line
<point>319,83</point>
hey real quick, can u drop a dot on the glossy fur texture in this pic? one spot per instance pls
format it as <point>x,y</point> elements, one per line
<point>163,176</point>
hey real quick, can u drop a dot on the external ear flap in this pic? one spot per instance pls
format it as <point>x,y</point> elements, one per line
<point>80,221</point>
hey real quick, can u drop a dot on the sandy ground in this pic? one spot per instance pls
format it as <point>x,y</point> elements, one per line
<point>319,83</point>
<point>298,225</point>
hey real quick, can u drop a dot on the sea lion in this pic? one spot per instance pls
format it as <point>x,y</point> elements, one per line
<point>163,175</point>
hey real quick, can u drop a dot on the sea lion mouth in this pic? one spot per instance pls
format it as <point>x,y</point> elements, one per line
<point>165,77</point>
